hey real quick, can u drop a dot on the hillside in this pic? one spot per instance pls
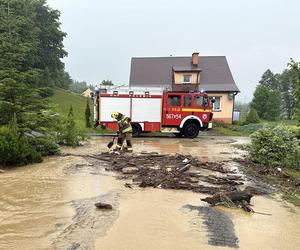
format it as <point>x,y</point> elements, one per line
<point>62,100</point>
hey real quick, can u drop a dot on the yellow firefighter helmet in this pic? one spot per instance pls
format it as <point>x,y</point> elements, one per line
<point>115,115</point>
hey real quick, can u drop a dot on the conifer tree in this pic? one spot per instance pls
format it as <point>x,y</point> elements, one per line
<point>88,115</point>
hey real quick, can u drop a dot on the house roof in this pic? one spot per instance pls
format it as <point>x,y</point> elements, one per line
<point>186,69</point>
<point>158,71</point>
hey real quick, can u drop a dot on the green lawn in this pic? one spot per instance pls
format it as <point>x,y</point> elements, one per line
<point>63,99</point>
<point>246,130</point>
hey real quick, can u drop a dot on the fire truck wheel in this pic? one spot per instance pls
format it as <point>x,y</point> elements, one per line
<point>136,129</point>
<point>180,134</point>
<point>191,130</point>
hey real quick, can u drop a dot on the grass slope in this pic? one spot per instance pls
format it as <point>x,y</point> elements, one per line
<point>62,100</point>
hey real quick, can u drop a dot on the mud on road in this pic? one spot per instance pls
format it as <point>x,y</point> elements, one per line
<point>51,205</point>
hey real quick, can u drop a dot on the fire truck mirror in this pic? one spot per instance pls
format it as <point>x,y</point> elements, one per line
<point>205,101</point>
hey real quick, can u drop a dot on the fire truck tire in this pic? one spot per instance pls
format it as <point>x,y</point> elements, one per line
<point>180,134</point>
<point>191,130</point>
<point>136,129</point>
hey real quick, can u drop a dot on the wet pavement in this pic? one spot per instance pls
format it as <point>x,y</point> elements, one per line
<point>219,225</point>
<point>51,206</point>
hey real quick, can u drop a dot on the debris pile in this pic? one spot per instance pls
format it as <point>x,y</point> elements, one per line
<point>239,199</point>
<point>173,172</point>
<point>182,172</point>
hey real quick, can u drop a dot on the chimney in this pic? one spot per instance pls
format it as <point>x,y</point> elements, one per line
<point>195,59</point>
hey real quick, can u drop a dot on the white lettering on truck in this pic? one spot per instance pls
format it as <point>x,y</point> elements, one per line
<point>174,116</point>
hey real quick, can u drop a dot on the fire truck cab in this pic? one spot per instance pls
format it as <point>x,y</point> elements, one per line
<point>155,110</point>
<point>188,113</point>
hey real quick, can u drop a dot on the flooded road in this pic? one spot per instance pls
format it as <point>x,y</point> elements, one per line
<point>51,206</point>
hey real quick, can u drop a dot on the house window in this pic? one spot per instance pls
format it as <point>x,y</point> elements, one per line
<point>217,103</point>
<point>187,101</point>
<point>174,100</point>
<point>187,78</point>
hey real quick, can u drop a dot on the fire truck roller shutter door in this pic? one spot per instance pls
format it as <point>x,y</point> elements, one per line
<point>112,104</point>
<point>188,118</point>
<point>146,109</point>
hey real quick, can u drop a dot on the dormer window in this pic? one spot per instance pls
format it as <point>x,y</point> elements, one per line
<point>187,78</point>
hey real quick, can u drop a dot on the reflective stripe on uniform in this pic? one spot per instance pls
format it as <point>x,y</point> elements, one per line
<point>126,130</point>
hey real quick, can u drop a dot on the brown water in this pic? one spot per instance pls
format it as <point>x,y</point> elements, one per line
<point>51,206</point>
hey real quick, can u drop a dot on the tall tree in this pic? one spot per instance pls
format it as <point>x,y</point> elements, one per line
<point>267,102</point>
<point>50,36</point>
<point>287,88</point>
<point>270,80</point>
<point>26,103</point>
<point>31,42</point>
<point>30,56</point>
<point>295,67</point>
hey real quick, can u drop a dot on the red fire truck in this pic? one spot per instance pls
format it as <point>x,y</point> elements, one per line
<point>154,110</point>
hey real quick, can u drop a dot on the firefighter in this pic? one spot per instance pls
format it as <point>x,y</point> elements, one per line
<point>124,131</point>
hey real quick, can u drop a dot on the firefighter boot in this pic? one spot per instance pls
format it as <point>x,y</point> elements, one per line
<point>129,143</point>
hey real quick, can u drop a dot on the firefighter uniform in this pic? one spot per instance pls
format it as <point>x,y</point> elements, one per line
<point>124,132</point>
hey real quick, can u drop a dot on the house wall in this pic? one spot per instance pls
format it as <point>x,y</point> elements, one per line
<point>178,77</point>
<point>87,93</point>
<point>225,114</point>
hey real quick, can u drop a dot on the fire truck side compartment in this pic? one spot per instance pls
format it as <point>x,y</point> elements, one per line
<point>115,104</point>
<point>146,110</point>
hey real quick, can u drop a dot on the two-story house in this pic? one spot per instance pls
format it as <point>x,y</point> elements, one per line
<point>193,73</point>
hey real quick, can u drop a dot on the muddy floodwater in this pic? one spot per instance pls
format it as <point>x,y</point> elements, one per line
<point>51,206</point>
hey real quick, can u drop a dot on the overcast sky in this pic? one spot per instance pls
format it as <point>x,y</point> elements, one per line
<point>254,35</point>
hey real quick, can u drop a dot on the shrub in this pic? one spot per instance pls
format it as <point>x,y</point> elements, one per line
<point>293,160</point>
<point>220,124</point>
<point>15,148</point>
<point>272,146</point>
<point>251,128</point>
<point>252,117</point>
<point>238,123</point>
<point>46,145</point>
<point>69,135</point>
